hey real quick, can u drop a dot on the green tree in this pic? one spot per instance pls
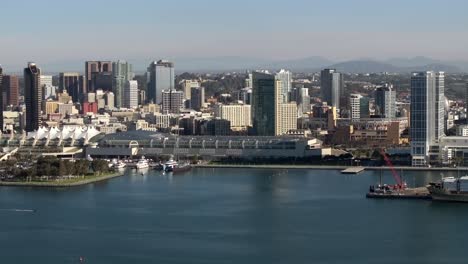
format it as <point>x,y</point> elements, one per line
<point>100,166</point>
<point>62,169</point>
<point>81,167</point>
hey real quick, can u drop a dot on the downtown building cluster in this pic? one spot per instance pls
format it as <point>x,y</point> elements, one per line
<point>108,99</point>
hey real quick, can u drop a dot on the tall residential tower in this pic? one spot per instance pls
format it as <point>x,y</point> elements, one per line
<point>270,116</point>
<point>32,96</point>
<point>427,114</point>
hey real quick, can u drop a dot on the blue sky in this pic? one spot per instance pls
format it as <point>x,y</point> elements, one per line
<point>55,32</point>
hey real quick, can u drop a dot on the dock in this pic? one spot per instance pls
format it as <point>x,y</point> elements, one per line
<point>353,170</point>
<point>421,193</point>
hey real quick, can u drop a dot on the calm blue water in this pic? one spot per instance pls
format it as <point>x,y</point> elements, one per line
<point>230,216</point>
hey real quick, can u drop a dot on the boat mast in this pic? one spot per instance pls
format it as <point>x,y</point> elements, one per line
<point>380,181</point>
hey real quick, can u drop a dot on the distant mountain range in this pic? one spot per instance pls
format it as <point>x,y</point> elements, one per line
<point>309,64</point>
<point>314,64</point>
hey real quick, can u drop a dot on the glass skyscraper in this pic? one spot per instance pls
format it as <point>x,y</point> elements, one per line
<point>427,114</point>
<point>286,82</point>
<point>161,77</point>
<point>385,101</point>
<point>332,87</point>
<point>263,103</point>
<point>121,74</point>
<point>32,96</point>
<point>270,115</point>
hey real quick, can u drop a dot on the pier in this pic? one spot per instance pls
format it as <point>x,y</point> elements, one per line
<point>353,170</point>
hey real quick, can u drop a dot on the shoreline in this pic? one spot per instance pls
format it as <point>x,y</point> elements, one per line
<point>323,167</point>
<point>59,184</point>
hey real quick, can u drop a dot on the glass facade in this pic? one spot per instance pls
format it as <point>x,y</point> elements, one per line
<point>332,87</point>
<point>161,77</point>
<point>427,114</point>
<point>385,101</point>
<point>263,104</point>
<point>286,81</point>
<point>32,96</point>
<point>121,74</point>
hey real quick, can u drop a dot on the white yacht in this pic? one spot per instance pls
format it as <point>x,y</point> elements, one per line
<point>142,163</point>
<point>120,165</point>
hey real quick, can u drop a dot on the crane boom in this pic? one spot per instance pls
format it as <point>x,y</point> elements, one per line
<point>397,177</point>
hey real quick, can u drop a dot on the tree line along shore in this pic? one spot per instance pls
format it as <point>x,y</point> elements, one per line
<point>54,172</point>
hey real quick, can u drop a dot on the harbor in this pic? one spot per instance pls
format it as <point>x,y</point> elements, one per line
<point>195,208</point>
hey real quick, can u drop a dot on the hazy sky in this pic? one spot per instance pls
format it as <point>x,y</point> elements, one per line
<point>63,32</point>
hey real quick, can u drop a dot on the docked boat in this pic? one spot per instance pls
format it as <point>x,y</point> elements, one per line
<point>119,165</point>
<point>142,164</point>
<point>175,167</point>
<point>450,189</point>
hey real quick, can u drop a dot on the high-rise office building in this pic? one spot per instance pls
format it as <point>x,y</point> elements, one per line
<point>10,88</point>
<point>248,81</point>
<point>161,77</point>
<point>46,80</point>
<point>121,74</point>
<point>172,101</point>
<point>332,87</point>
<point>187,87</point>
<point>270,116</point>
<point>197,98</point>
<point>245,95</point>
<point>359,106</point>
<point>286,82</point>
<point>110,100</point>
<point>300,95</point>
<point>92,70</point>
<point>385,101</point>
<point>263,103</point>
<point>32,96</point>
<point>130,98</point>
<point>74,83</point>
<point>427,114</point>
<point>2,105</point>
<point>466,101</point>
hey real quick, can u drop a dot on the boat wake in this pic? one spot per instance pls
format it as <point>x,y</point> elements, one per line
<point>19,210</point>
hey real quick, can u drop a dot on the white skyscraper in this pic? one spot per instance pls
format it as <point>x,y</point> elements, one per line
<point>110,100</point>
<point>131,94</point>
<point>46,80</point>
<point>286,82</point>
<point>427,114</point>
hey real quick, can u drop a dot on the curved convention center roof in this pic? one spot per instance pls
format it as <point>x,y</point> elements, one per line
<point>132,135</point>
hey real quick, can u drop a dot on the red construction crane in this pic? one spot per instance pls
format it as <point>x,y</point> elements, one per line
<point>399,182</point>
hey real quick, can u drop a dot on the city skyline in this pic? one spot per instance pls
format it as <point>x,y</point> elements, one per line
<point>347,35</point>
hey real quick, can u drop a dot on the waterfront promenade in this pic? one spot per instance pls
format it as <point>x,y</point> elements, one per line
<point>63,183</point>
